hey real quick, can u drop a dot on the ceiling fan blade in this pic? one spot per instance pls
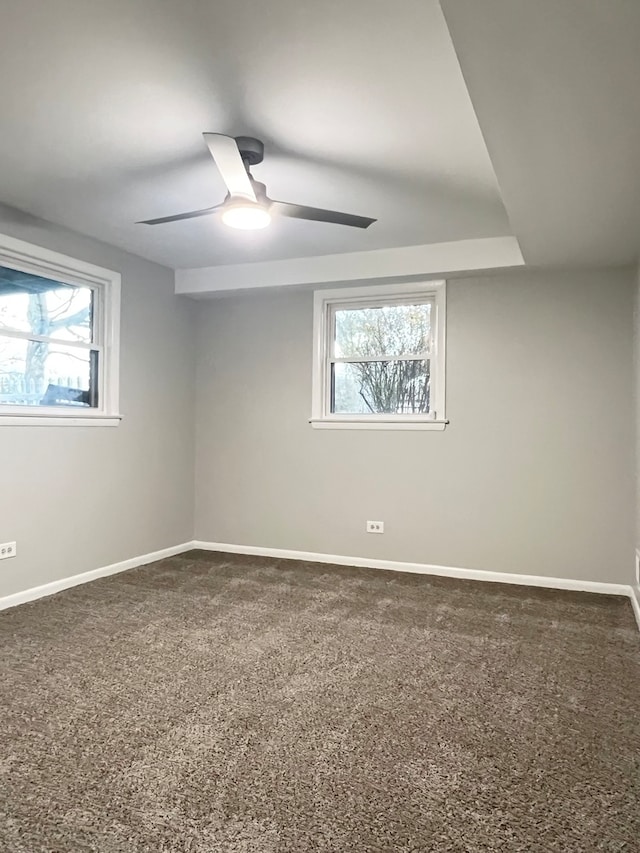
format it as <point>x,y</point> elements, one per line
<point>300,211</point>
<point>192,214</point>
<point>224,151</point>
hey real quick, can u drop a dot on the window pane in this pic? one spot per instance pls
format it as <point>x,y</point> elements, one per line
<point>30,303</point>
<point>36,373</point>
<point>386,330</point>
<point>380,387</point>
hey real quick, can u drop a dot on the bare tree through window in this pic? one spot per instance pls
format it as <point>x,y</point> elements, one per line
<point>46,332</point>
<point>380,365</point>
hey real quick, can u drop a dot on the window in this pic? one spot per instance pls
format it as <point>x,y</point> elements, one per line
<point>58,338</point>
<point>379,357</point>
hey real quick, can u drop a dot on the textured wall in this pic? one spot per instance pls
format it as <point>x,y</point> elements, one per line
<point>534,475</point>
<point>77,498</point>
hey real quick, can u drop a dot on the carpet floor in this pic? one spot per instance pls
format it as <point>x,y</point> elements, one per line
<point>212,703</point>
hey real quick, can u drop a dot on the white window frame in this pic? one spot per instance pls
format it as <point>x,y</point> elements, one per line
<point>29,258</point>
<point>325,304</point>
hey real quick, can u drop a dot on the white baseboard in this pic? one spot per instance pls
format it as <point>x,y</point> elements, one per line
<point>75,580</point>
<point>421,568</point>
<point>332,559</point>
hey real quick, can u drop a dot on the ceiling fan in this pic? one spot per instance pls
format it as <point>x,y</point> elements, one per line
<point>247,205</point>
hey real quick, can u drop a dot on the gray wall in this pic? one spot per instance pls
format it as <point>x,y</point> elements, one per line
<point>534,475</point>
<point>636,365</point>
<point>76,499</point>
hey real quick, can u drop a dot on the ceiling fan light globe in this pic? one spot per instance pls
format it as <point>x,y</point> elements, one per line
<point>248,217</point>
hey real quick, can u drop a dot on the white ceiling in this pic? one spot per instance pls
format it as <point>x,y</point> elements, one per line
<point>556,86</point>
<point>362,106</point>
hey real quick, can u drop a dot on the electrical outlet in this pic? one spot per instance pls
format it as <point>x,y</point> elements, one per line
<point>7,549</point>
<point>637,568</point>
<point>375,526</point>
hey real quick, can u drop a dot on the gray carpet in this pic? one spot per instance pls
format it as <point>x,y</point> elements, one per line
<point>221,703</point>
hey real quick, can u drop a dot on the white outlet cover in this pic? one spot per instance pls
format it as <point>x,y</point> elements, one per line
<point>7,550</point>
<point>375,526</point>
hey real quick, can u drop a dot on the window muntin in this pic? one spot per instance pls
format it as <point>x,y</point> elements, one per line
<point>379,355</point>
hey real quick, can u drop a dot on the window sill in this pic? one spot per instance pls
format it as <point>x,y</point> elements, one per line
<point>355,423</point>
<point>60,420</point>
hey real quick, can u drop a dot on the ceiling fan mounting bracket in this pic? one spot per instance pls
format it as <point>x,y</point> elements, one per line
<point>251,150</point>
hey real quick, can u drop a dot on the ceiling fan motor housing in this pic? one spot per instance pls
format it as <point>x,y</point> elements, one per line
<point>251,150</point>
